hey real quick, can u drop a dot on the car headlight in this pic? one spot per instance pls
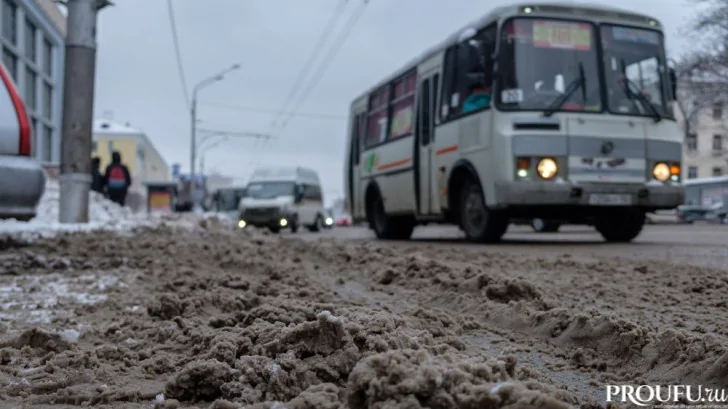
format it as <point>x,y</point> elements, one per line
<point>242,224</point>
<point>547,168</point>
<point>661,172</point>
<point>329,221</point>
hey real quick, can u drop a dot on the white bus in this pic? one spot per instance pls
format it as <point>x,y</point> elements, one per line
<point>580,128</point>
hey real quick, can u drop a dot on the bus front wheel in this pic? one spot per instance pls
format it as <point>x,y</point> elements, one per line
<point>479,223</point>
<point>389,227</point>
<point>620,226</point>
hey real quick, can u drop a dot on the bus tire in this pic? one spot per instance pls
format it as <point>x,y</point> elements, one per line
<point>479,223</point>
<point>389,227</point>
<point>620,226</point>
<point>316,226</point>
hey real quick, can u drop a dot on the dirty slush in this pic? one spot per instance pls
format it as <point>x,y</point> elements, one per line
<point>213,317</point>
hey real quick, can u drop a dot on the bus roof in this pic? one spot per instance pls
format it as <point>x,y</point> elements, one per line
<point>706,181</point>
<point>495,15</point>
<point>285,173</point>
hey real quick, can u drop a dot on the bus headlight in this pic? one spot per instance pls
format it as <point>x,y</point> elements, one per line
<point>547,168</point>
<point>661,172</point>
<point>242,224</point>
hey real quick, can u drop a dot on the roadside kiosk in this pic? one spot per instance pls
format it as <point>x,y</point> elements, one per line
<point>161,196</point>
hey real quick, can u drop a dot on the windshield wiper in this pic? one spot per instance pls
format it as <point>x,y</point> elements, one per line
<point>639,95</point>
<point>578,82</point>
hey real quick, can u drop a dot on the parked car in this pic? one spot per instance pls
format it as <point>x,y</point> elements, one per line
<point>22,179</point>
<point>718,216</point>
<point>688,214</point>
<point>344,219</point>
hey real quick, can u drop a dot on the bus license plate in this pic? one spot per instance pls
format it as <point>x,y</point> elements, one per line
<point>610,199</point>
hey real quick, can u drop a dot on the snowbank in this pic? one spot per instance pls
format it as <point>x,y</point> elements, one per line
<point>103,215</point>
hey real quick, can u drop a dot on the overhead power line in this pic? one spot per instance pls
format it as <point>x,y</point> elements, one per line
<point>178,53</point>
<point>274,111</point>
<point>297,83</point>
<point>327,60</point>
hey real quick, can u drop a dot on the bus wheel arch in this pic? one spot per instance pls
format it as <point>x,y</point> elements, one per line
<point>387,227</point>
<point>462,172</point>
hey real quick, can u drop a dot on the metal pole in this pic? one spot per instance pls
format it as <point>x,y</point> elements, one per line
<point>78,103</point>
<point>193,138</point>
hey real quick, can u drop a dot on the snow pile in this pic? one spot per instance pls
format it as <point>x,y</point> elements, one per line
<point>101,210</point>
<point>103,215</point>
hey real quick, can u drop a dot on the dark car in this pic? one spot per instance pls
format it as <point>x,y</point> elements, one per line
<point>689,214</point>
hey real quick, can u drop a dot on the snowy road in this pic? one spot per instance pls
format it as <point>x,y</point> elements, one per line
<point>186,317</point>
<point>699,244</point>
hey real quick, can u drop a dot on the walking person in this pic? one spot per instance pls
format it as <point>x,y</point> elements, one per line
<point>117,179</point>
<point>97,179</point>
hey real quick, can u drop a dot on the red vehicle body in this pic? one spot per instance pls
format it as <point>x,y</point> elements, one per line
<point>344,220</point>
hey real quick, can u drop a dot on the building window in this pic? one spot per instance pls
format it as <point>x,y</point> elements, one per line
<point>717,142</point>
<point>94,146</point>
<point>47,57</point>
<point>30,89</point>
<point>47,143</point>
<point>11,63</point>
<point>30,50</point>
<point>47,101</point>
<point>691,142</point>
<point>692,172</point>
<point>717,171</point>
<point>111,147</point>
<point>718,111</point>
<point>10,28</point>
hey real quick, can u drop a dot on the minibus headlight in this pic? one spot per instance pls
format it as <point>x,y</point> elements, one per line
<point>661,172</point>
<point>547,168</point>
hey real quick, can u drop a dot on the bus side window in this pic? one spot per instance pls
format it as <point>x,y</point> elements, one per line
<point>448,82</point>
<point>435,99</point>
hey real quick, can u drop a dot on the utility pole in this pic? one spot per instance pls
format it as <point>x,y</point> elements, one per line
<point>78,106</point>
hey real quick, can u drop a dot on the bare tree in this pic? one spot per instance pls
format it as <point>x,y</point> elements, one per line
<point>702,72</point>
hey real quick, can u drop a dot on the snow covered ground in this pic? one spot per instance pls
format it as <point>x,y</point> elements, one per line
<point>103,215</point>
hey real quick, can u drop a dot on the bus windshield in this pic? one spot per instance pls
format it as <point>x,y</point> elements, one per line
<point>634,63</point>
<point>540,59</point>
<point>270,190</point>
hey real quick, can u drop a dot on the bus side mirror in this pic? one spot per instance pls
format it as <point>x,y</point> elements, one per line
<point>467,34</point>
<point>299,193</point>
<point>673,83</point>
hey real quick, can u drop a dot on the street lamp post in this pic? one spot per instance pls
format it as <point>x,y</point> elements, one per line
<point>193,112</point>
<point>207,148</point>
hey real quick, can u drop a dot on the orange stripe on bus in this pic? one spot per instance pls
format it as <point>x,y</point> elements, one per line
<point>447,149</point>
<point>390,165</point>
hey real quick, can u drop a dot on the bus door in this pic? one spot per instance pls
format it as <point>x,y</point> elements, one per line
<point>354,193</point>
<point>424,142</point>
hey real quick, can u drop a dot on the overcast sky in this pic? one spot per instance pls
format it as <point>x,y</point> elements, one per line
<point>137,77</point>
